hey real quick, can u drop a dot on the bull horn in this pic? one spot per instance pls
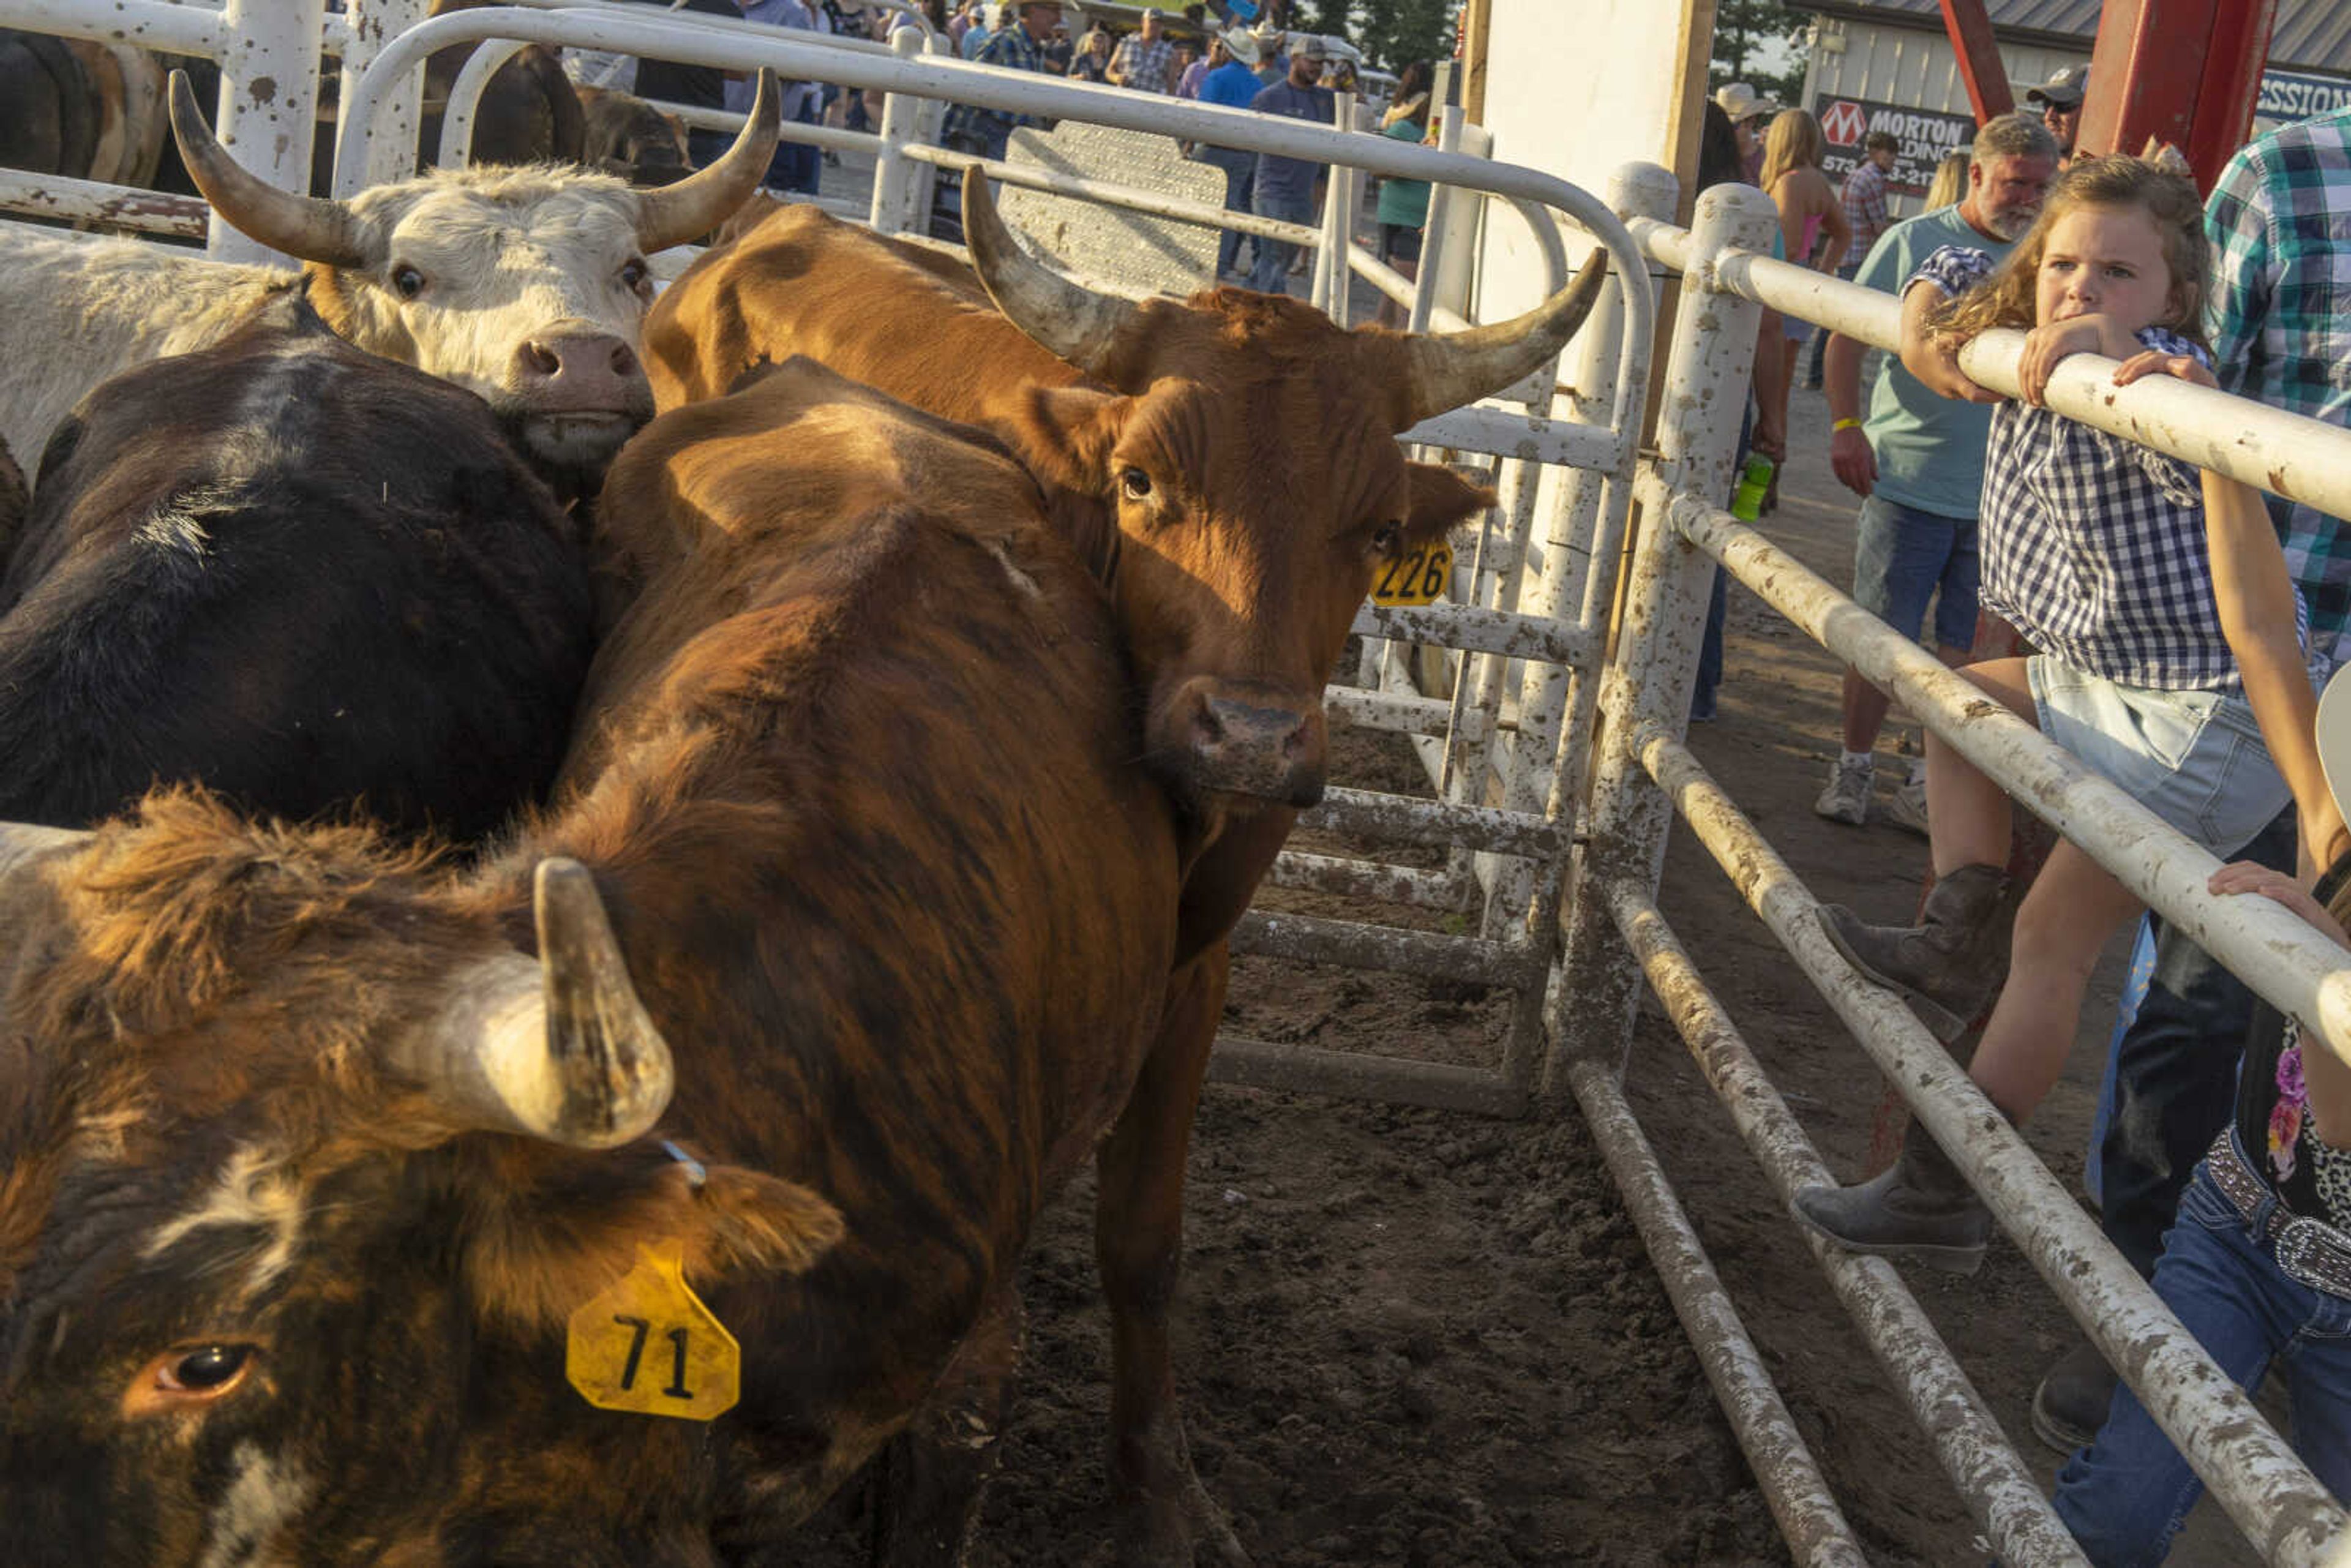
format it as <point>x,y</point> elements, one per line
<point>1448,371</point>
<point>561,1048</point>
<point>304,227</point>
<point>21,843</point>
<point>1076,323</point>
<point>700,203</point>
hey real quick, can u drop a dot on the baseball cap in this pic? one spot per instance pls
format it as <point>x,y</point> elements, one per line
<point>1310,47</point>
<point>2063,90</point>
<point>1741,102</point>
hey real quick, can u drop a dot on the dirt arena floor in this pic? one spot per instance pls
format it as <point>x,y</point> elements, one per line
<point>1422,1339</point>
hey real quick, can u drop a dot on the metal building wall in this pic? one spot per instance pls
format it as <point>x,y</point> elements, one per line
<point>1912,68</point>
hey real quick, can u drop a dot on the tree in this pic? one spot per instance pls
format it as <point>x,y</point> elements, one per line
<point>1393,32</point>
<point>1389,32</point>
<point>1745,34</point>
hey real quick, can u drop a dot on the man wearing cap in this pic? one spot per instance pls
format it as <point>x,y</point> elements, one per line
<point>2060,101</point>
<point>1231,82</point>
<point>1285,187</point>
<point>1751,115</point>
<point>1142,58</point>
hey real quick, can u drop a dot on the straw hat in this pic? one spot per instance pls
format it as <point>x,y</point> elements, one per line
<point>1240,45</point>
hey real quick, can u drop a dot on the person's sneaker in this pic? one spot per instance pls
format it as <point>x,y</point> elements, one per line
<point>1847,799</point>
<point>1908,809</point>
<point>2070,1404</point>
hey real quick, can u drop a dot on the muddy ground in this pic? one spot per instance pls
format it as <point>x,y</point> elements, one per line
<point>1413,1338</point>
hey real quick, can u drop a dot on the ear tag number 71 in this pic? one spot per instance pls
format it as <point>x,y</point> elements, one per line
<point>649,1345</point>
<point>1414,577</point>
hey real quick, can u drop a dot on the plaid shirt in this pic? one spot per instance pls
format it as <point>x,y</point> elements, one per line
<point>2280,334</point>
<point>1146,65</point>
<point>1865,206</point>
<point>1010,46</point>
<point>2094,546</point>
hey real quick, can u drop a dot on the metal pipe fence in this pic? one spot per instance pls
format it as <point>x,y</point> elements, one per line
<point>1644,769</point>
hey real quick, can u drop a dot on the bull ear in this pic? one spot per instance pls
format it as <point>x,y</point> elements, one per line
<point>550,1238</point>
<point>1066,434</point>
<point>1440,499</point>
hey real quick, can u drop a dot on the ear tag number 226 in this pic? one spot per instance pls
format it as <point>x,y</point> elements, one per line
<point>649,1345</point>
<point>1414,577</point>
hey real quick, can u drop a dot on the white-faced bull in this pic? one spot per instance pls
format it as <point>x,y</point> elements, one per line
<point>526,286</point>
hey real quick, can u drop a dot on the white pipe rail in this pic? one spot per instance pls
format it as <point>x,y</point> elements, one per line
<point>2253,1474</point>
<point>1019,92</point>
<point>90,201</point>
<point>2252,1470</point>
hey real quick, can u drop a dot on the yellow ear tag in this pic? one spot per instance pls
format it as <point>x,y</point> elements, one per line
<point>648,1344</point>
<point>1414,577</point>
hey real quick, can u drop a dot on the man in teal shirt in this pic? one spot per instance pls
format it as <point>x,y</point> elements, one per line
<point>1917,461</point>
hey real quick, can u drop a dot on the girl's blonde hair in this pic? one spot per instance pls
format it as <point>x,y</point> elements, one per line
<point>1795,142</point>
<point>1950,187</point>
<point>2006,297</point>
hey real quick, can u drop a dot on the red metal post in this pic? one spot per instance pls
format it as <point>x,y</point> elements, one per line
<point>2182,71</point>
<point>1979,65</point>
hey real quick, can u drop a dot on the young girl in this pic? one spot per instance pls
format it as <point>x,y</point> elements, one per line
<point>2258,1265</point>
<point>2172,652</point>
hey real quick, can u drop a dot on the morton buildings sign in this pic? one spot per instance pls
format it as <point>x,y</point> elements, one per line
<point>1926,136</point>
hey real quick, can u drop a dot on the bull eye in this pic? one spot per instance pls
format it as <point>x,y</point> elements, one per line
<point>1134,485</point>
<point>1387,540</point>
<point>634,274</point>
<point>406,281</point>
<point>209,1369</point>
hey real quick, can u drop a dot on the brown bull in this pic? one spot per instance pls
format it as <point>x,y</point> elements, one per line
<point>305,1160</point>
<point>1235,456</point>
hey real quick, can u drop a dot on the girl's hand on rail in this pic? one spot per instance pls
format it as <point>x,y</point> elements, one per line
<point>2280,887</point>
<point>2044,347</point>
<point>2147,362</point>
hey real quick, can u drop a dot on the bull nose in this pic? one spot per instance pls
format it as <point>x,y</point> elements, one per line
<point>576,370</point>
<point>1246,746</point>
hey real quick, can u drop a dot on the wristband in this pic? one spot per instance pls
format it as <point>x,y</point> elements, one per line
<point>1844,425</point>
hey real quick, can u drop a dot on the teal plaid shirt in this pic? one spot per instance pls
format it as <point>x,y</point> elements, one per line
<point>2280,327</point>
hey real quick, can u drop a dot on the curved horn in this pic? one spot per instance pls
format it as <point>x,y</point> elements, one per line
<point>21,843</point>
<point>302,226</point>
<point>700,203</point>
<point>561,1048</point>
<point>1077,324</point>
<point>1447,371</point>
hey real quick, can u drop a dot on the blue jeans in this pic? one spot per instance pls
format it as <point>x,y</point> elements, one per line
<point>2172,1075</point>
<point>1271,274</point>
<point>1240,174</point>
<point>1902,555</point>
<point>2127,1495</point>
<point>1717,604</point>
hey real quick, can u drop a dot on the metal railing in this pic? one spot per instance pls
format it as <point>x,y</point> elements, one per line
<point>1511,847</point>
<point>1645,773</point>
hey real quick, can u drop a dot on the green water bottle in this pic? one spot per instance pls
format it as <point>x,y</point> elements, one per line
<point>1747,502</point>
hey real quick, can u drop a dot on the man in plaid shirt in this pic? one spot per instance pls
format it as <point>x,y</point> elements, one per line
<point>1865,213</point>
<point>1145,60</point>
<point>2277,338</point>
<point>1020,44</point>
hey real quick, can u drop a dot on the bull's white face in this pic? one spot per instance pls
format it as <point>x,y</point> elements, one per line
<point>527,287</point>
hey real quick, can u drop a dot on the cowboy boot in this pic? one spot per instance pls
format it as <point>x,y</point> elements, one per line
<point>1919,1209</point>
<point>1946,966</point>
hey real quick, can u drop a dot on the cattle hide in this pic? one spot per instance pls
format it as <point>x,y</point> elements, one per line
<point>860,808</point>
<point>313,579</point>
<point>625,135</point>
<point>12,502</point>
<point>51,124</point>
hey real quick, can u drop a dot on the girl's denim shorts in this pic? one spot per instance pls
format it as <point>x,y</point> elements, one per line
<point>2195,758</point>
